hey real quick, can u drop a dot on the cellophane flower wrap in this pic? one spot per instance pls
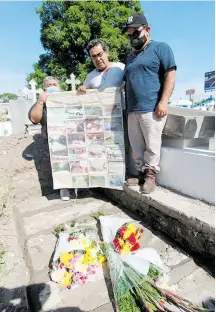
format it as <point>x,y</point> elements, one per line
<point>77,258</point>
<point>133,269</point>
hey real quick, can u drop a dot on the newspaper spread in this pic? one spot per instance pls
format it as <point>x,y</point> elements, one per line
<point>86,139</point>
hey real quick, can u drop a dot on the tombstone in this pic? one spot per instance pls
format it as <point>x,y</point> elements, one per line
<point>33,84</point>
<point>72,81</point>
<point>19,114</point>
<point>24,93</point>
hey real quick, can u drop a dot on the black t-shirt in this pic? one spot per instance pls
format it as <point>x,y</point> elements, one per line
<point>43,122</point>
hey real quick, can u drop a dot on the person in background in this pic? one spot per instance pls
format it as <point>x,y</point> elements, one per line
<point>38,114</point>
<point>150,75</point>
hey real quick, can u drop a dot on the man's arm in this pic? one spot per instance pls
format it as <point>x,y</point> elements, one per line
<point>36,111</point>
<point>86,85</point>
<point>168,87</point>
<point>168,65</point>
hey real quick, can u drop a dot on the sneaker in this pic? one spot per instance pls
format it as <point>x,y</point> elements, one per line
<point>149,183</point>
<point>132,181</point>
<point>65,194</point>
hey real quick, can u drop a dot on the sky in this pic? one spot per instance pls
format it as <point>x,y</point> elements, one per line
<point>187,26</point>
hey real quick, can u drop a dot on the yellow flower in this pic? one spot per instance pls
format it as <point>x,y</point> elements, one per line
<point>88,257</point>
<point>129,245</point>
<point>132,227</point>
<point>127,234</point>
<point>121,242</point>
<point>125,249</point>
<point>101,259</point>
<point>137,236</point>
<point>67,279</point>
<point>65,257</point>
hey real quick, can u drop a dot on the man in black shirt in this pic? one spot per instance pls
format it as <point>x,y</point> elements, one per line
<point>38,114</point>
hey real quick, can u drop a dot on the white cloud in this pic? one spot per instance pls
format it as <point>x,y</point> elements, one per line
<point>11,81</point>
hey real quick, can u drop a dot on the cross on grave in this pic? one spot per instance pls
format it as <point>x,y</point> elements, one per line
<point>33,84</point>
<point>72,81</point>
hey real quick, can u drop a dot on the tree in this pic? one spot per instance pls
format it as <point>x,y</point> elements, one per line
<point>5,97</point>
<point>68,26</point>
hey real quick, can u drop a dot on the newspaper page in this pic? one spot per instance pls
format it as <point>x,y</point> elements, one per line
<point>86,139</point>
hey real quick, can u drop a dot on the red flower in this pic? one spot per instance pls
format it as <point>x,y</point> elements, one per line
<point>70,239</point>
<point>61,266</point>
<point>116,243</point>
<point>141,230</point>
<point>135,247</point>
<point>69,287</point>
<point>122,230</point>
<point>132,239</point>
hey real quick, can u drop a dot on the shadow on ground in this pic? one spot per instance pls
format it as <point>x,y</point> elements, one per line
<point>38,152</point>
<point>12,300</point>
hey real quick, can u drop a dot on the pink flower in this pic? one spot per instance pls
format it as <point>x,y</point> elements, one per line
<point>61,265</point>
<point>69,287</point>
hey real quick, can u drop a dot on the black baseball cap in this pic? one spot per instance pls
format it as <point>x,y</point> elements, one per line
<point>135,20</point>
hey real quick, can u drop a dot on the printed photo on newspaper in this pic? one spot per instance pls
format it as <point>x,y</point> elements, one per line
<point>86,139</point>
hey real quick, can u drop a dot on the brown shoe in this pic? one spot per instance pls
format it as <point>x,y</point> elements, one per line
<point>149,184</point>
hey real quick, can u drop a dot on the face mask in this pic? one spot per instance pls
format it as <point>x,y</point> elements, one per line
<point>137,43</point>
<point>52,89</point>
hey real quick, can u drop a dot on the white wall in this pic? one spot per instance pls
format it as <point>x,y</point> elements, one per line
<point>18,110</point>
<point>190,171</point>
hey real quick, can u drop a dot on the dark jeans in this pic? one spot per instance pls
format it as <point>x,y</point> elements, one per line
<point>130,170</point>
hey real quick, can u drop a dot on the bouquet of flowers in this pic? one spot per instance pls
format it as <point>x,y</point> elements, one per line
<point>126,239</point>
<point>77,257</point>
<point>133,270</point>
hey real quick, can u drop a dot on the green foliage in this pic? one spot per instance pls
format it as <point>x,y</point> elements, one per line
<point>68,26</point>
<point>5,97</point>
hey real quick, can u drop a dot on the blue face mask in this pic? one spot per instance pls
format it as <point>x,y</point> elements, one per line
<point>52,89</point>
